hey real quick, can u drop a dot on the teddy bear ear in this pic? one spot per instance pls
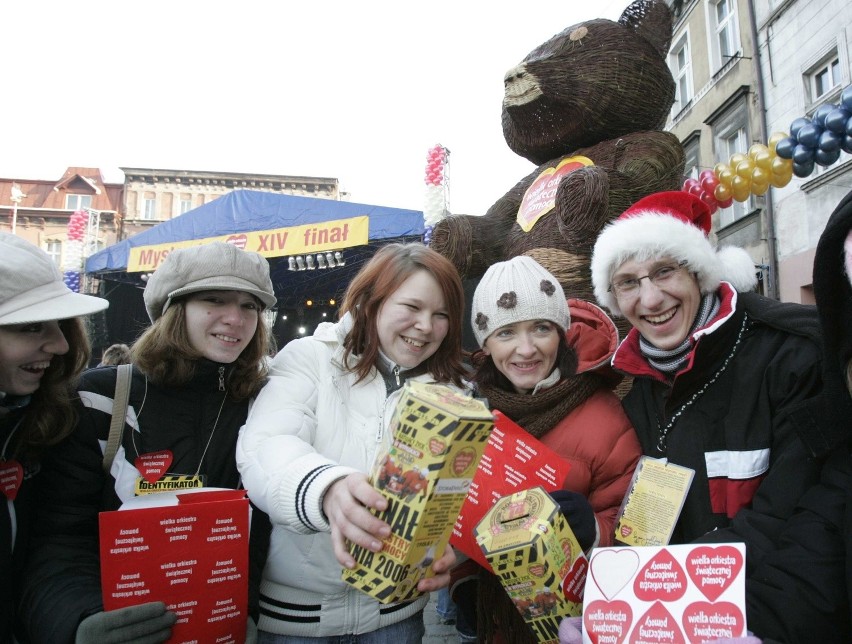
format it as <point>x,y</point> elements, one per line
<point>652,20</point>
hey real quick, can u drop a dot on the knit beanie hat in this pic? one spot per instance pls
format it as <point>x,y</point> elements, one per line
<point>32,289</point>
<point>514,291</point>
<point>672,224</point>
<point>210,267</point>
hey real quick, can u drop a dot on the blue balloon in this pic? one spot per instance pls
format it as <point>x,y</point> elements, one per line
<point>821,112</point>
<point>846,144</point>
<point>846,98</point>
<point>823,158</point>
<point>836,120</point>
<point>829,141</point>
<point>849,126</point>
<point>803,154</point>
<point>784,148</point>
<point>797,125</point>
<point>809,135</point>
<point>803,170</point>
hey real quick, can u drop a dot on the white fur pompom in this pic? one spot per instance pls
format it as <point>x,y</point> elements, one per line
<point>737,267</point>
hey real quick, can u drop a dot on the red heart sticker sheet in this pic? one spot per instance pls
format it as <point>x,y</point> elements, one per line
<point>154,465</point>
<point>652,594</point>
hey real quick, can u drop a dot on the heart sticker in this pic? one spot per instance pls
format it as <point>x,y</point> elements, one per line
<point>657,626</point>
<point>612,570</point>
<point>713,569</point>
<point>703,621</point>
<point>540,198</point>
<point>11,475</point>
<point>608,621</point>
<point>152,466</point>
<point>463,460</point>
<point>437,446</point>
<point>662,578</point>
<point>574,581</point>
<point>239,241</point>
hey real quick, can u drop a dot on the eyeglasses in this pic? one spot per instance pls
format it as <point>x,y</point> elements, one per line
<point>659,277</point>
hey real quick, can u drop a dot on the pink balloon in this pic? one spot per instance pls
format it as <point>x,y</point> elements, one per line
<point>727,203</point>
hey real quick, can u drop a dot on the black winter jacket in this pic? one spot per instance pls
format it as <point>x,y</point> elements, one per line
<point>62,582</point>
<point>732,413</point>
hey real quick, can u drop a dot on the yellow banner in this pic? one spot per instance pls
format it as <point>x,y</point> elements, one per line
<point>296,240</point>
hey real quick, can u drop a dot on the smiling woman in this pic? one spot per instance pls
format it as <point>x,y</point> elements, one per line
<point>194,372</point>
<point>43,348</point>
<point>314,432</point>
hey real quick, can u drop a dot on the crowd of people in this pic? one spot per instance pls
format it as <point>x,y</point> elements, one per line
<point>751,394</point>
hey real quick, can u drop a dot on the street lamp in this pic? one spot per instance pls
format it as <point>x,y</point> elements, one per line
<point>16,198</point>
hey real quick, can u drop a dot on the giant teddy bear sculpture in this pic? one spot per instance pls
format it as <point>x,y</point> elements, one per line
<point>587,106</point>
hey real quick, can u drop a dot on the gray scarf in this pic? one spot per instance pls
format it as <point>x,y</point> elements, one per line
<point>671,360</point>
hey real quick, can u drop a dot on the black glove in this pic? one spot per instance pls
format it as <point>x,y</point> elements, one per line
<point>143,624</point>
<point>577,510</point>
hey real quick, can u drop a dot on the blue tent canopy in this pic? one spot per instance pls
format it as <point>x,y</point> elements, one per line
<point>244,211</point>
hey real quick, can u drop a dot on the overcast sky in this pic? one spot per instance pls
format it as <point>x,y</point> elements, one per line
<point>358,91</point>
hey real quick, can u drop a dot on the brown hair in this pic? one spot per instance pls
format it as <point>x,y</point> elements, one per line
<point>376,281</point>
<point>166,356</point>
<point>115,354</point>
<point>487,374</point>
<point>51,416</point>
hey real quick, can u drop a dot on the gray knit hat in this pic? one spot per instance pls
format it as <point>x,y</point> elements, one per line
<point>513,291</point>
<point>210,267</point>
<point>31,286</point>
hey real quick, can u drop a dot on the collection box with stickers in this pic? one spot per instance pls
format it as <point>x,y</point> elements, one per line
<point>531,548</point>
<point>437,437</point>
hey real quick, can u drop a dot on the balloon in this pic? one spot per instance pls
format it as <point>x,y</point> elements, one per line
<point>774,138</point>
<point>722,193</point>
<point>836,120</point>
<point>829,141</point>
<point>726,176</point>
<point>779,181</point>
<point>704,174</point>
<point>695,189</point>
<point>708,184</point>
<point>809,135</point>
<point>727,203</point>
<point>849,126</point>
<point>759,175</point>
<point>781,166</point>
<point>823,158</point>
<point>846,144</point>
<point>846,98</point>
<point>797,125</point>
<point>763,159</point>
<point>745,168</point>
<point>740,188</point>
<point>710,200</point>
<point>719,168</point>
<point>756,149</point>
<point>802,170</point>
<point>803,154</point>
<point>736,159</point>
<point>784,148</point>
<point>821,112</point>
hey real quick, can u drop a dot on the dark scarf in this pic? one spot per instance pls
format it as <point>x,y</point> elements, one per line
<point>537,414</point>
<point>671,360</point>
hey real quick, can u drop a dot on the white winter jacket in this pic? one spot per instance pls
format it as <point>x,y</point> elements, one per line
<point>310,426</point>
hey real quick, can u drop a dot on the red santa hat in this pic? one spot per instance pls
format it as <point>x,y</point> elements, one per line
<point>668,224</point>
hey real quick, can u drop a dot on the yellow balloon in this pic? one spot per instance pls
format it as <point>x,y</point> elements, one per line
<point>740,188</point>
<point>782,167</point>
<point>763,159</point>
<point>722,192</point>
<point>725,177</point>
<point>756,149</point>
<point>774,138</point>
<point>759,188</point>
<point>745,168</point>
<point>719,168</point>
<point>737,158</point>
<point>781,180</point>
<point>761,176</point>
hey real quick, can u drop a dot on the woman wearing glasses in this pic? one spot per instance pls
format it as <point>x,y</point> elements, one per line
<point>721,376</point>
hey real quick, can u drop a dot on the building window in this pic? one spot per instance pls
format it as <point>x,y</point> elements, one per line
<point>730,136</point>
<point>185,204</point>
<point>681,66</point>
<point>691,155</point>
<point>149,208</point>
<point>54,249</point>
<point>824,78</point>
<point>724,32</point>
<point>78,202</point>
